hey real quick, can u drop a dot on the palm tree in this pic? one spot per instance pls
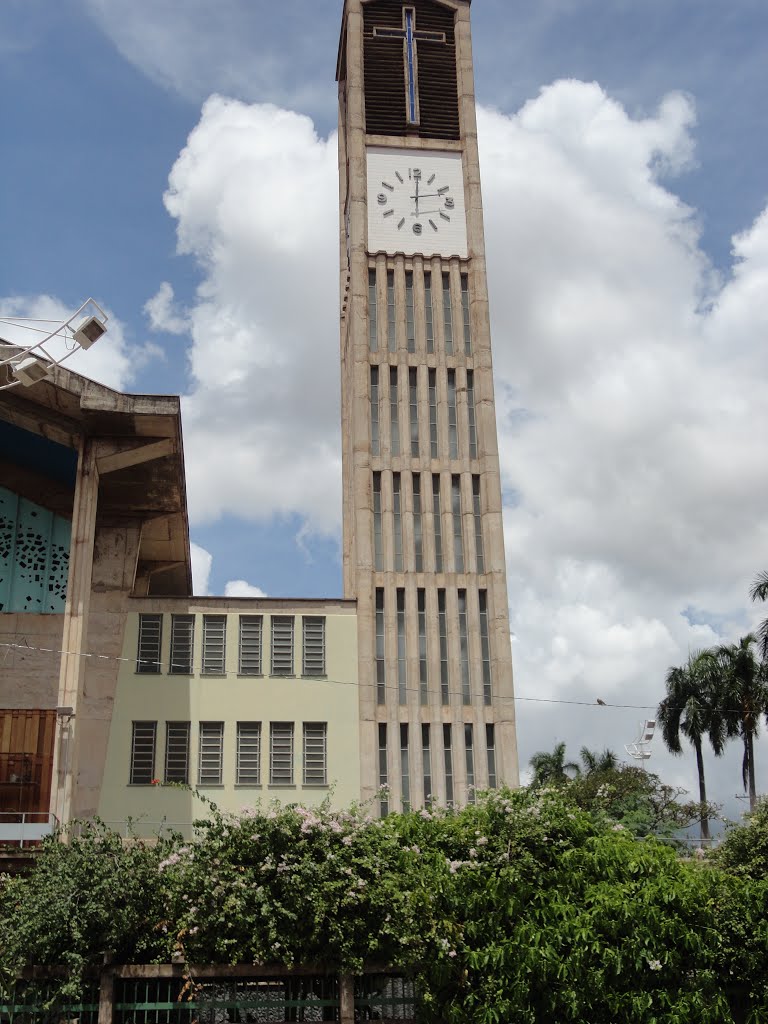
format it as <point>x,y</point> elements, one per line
<point>593,761</point>
<point>744,695</point>
<point>552,768</point>
<point>759,592</point>
<point>691,709</point>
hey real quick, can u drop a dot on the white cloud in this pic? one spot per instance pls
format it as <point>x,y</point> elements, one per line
<point>240,588</point>
<point>163,314</point>
<point>202,562</point>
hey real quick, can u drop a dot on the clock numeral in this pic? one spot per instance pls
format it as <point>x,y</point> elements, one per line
<point>399,177</point>
<point>387,185</point>
<point>417,228</point>
<point>434,226</point>
<point>443,215</point>
<point>400,223</point>
<point>449,203</point>
<point>431,178</point>
<point>388,213</point>
<point>382,198</point>
<point>416,174</point>
<point>443,190</point>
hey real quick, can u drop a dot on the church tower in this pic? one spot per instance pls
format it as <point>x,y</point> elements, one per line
<point>423,537</point>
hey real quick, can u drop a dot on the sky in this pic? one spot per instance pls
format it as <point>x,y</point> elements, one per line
<point>177,162</point>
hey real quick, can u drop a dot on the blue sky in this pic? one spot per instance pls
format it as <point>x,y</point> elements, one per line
<point>629,417</point>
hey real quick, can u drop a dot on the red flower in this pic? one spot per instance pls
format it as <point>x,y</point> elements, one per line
<point>156,782</point>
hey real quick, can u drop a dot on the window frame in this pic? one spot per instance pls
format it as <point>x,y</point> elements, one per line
<point>152,754</point>
<point>155,664</point>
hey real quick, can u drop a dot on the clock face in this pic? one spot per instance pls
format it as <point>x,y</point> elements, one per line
<point>416,202</point>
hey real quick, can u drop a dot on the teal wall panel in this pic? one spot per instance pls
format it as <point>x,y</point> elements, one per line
<point>34,556</point>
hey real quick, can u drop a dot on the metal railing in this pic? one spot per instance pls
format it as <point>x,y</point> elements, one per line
<point>18,828</point>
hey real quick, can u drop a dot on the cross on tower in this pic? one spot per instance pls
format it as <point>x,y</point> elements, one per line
<point>410,36</point>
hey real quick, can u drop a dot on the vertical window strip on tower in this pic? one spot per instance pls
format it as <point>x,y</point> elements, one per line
<point>394,417</point>
<point>378,558</point>
<point>214,644</point>
<point>418,532</point>
<point>313,645</point>
<point>381,678</point>
<point>281,753</point>
<point>373,340</point>
<point>150,641</point>
<point>210,754</point>
<point>315,753</point>
<point>405,768</point>
<point>397,515</point>
<point>143,744</point>
<point>177,752</point>
<point>383,773</point>
<point>421,601</point>
<point>437,522</point>
<point>453,433</point>
<point>442,623</point>
<point>469,747</point>
<point>478,521</point>
<point>248,772</point>
<point>426,760</point>
<point>413,406</point>
<point>466,690</point>
<point>465,315</point>
<point>471,414</point>
<point>458,539</point>
<point>182,644</point>
<point>375,446</point>
<point>402,667</point>
<point>391,343</point>
<point>448,763</point>
<point>282,645</point>
<point>410,333</point>
<point>485,647</point>
<point>433,414</point>
<point>447,314</point>
<point>249,646</point>
<point>490,743</point>
<point>430,329</point>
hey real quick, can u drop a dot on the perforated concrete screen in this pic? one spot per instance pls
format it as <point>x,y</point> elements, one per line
<point>34,556</point>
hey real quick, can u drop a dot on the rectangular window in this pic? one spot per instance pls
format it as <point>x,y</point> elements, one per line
<point>428,312</point>
<point>485,647</point>
<point>421,600</point>
<point>315,754</point>
<point>433,414</point>
<point>478,520</point>
<point>210,754</point>
<point>383,773</point>
<point>453,433</point>
<point>466,693</point>
<point>405,768</point>
<point>248,754</point>
<point>394,421</point>
<point>418,536</point>
<point>214,644</point>
<point>437,522</point>
<point>375,449</point>
<point>448,761</point>
<point>182,644</point>
<point>177,752</point>
<point>413,408</point>
<point>143,743</point>
<point>426,760</point>
<point>458,540</point>
<point>391,310</point>
<point>150,641</point>
<point>442,623</point>
<point>402,674</point>
<point>313,646</point>
<point>465,315</point>
<point>490,743</point>
<point>373,326</point>
<point>471,414</point>
<point>249,654</point>
<point>381,684</point>
<point>378,558</point>
<point>470,755</point>
<point>397,514</point>
<point>409,329</point>
<point>281,754</point>
<point>282,645</point>
<point>447,314</point>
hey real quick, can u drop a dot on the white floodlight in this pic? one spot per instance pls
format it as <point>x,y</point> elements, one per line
<point>89,331</point>
<point>29,371</point>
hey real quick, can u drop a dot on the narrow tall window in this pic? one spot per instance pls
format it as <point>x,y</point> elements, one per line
<point>214,644</point>
<point>437,522</point>
<point>458,540</point>
<point>421,599</point>
<point>469,747</point>
<point>248,754</point>
<point>477,516</point>
<point>182,644</point>
<point>381,684</point>
<point>490,744</point>
<point>413,408</point>
<point>418,535</point>
<point>210,753</point>
<point>281,754</point>
<point>315,754</point>
<point>485,647</point>
<point>313,645</point>
<point>447,314</point>
<point>177,752</point>
<point>143,742</point>
<point>378,558</point>
<point>405,768</point>
<point>442,623</point>
<point>448,761</point>
<point>466,693</point>
<point>433,414</point>
<point>249,660</point>
<point>402,673</point>
<point>373,340</point>
<point>465,315</point>
<point>383,773</point>
<point>282,645</point>
<point>471,414</point>
<point>428,312</point>
<point>375,446</point>
<point>394,420</point>
<point>391,310</point>
<point>426,760</point>
<point>397,514</point>
<point>453,434</point>
<point>150,640</point>
<point>409,329</point>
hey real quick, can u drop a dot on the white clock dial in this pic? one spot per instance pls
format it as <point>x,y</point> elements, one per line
<point>416,202</point>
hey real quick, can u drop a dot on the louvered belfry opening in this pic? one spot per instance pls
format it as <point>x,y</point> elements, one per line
<point>385,98</point>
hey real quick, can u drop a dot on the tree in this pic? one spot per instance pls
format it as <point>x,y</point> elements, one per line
<point>592,761</point>
<point>759,592</point>
<point>691,709</point>
<point>552,768</point>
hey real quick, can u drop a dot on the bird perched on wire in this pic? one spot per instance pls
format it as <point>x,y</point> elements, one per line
<point>601,702</point>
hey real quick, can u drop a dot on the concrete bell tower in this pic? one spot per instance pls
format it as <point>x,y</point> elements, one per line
<point>423,535</point>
